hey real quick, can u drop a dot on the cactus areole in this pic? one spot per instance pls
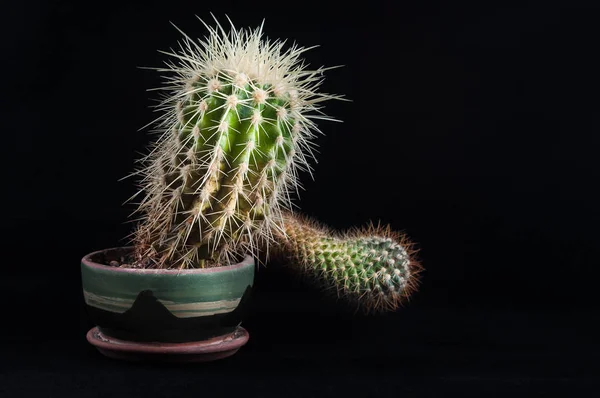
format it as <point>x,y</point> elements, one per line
<point>236,127</point>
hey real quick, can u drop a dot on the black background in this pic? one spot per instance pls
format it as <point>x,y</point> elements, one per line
<point>473,127</point>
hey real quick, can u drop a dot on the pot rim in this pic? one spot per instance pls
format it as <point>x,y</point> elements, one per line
<point>86,260</point>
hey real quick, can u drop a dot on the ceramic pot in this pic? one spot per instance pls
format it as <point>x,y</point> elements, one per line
<point>181,315</point>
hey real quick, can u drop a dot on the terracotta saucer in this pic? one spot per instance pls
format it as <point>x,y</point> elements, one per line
<point>196,351</point>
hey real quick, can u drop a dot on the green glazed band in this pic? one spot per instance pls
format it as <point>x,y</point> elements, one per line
<point>185,293</point>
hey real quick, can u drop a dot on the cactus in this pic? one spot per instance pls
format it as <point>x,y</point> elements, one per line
<point>235,130</point>
<point>372,267</point>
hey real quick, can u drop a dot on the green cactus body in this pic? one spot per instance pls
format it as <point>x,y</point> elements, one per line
<point>235,133</point>
<point>373,267</point>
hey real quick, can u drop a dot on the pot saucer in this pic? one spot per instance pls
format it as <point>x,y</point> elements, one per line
<point>196,351</point>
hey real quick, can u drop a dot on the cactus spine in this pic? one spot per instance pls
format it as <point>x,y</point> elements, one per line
<point>373,267</point>
<point>235,130</point>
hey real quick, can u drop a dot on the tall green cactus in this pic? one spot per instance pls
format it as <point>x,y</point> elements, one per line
<point>235,129</point>
<point>373,267</point>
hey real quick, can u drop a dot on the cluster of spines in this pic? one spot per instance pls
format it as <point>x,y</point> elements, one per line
<point>235,130</point>
<point>374,267</point>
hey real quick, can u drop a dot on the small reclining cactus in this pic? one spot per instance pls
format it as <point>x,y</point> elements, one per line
<point>373,267</point>
<point>235,130</point>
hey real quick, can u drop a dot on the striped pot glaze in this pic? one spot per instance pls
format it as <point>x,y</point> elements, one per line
<point>158,305</point>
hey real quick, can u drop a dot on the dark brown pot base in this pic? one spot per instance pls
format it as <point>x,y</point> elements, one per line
<point>196,351</point>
